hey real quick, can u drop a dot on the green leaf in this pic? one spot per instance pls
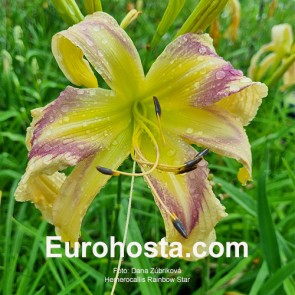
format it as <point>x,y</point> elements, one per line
<point>92,6</point>
<point>260,278</point>
<point>7,115</point>
<point>234,272</point>
<point>171,12</point>
<point>13,136</point>
<point>203,15</point>
<point>269,243</point>
<point>277,279</point>
<point>68,10</point>
<point>290,171</point>
<point>240,197</point>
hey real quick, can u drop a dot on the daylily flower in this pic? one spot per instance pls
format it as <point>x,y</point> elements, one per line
<point>280,58</point>
<point>190,95</point>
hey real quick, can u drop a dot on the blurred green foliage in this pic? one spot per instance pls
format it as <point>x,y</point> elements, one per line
<point>261,214</point>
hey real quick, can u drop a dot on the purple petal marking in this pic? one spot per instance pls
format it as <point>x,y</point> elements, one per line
<point>168,200</point>
<point>56,110</point>
<point>188,45</point>
<point>195,181</point>
<point>116,34</point>
<point>75,148</point>
<point>218,85</point>
<point>58,147</point>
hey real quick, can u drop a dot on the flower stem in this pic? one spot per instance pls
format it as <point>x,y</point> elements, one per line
<point>126,228</point>
<point>280,71</point>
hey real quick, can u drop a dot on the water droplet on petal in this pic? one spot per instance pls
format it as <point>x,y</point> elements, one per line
<point>47,147</point>
<point>80,91</point>
<point>66,119</point>
<point>246,80</point>
<point>189,130</point>
<point>202,50</point>
<point>64,108</point>
<point>197,84</point>
<point>171,153</point>
<point>66,141</point>
<point>47,159</point>
<point>81,146</point>
<point>89,42</point>
<point>220,75</point>
<point>200,133</point>
<point>92,92</point>
<point>115,142</point>
<point>234,87</point>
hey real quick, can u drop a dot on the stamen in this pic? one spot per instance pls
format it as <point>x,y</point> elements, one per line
<point>158,114</point>
<point>174,219</point>
<point>157,106</point>
<point>179,226</point>
<point>106,171</point>
<point>198,158</point>
<point>186,167</point>
<point>192,164</point>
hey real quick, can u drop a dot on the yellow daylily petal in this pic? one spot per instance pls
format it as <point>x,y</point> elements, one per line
<point>244,176</point>
<point>42,190</point>
<point>266,64</point>
<point>70,59</point>
<point>107,47</point>
<point>78,124</point>
<point>282,37</point>
<point>252,71</point>
<point>83,184</point>
<point>189,72</point>
<point>187,196</point>
<point>213,128</point>
<point>289,78</point>
<point>244,104</point>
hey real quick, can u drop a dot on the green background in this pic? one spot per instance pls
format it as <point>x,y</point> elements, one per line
<point>261,214</point>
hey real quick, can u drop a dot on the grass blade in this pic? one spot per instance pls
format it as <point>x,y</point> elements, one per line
<point>240,197</point>
<point>262,274</point>
<point>277,279</point>
<point>269,243</point>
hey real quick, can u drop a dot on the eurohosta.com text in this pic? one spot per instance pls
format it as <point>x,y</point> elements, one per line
<point>149,249</point>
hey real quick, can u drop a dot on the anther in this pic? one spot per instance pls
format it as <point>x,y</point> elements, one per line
<point>157,106</point>
<point>179,226</point>
<point>158,114</point>
<point>107,171</point>
<point>198,158</point>
<point>192,164</point>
